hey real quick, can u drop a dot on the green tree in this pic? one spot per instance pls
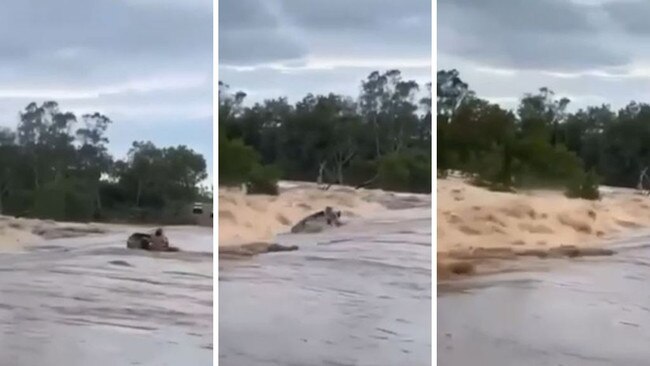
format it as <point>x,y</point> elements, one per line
<point>93,158</point>
<point>330,138</point>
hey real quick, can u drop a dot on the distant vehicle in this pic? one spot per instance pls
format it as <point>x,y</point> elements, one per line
<point>198,208</point>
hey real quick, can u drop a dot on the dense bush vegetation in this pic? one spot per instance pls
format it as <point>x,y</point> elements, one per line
<point>381,139</point>
<point>57,166</point>
<point>540,144</point>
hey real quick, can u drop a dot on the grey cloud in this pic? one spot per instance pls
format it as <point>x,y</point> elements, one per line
<point>249,33</point>
<point>549,16</point>
<point>104,50</point>
<point>265,31</point>
<point>323,46</point>
<point>86,42</point>
<point>89,43</point>
<point>250,48</point>
<point>632,16</point>
<point>596,43</point>
<point>356,15</point>
<point>541,52</point>
<point>245,14</point>
<point>370,28</point>
<point>113,28</point>
<point>545,34</point>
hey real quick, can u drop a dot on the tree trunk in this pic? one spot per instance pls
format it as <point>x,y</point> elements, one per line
<point>340,162</point>
<point>399,140</point>
<point>339,173</point>
<point>321,169</point>
<point>99,200</point>
<point>137,197</point>
<point>378,152</point>
<point>36,185</point>
<point>506,172</point>
<point>554,139</point>
<point>3,190</point>
<point>639,185</point>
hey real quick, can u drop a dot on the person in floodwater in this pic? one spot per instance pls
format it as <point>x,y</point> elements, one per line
<point>316,221</point>
<point>332,217</point>
<point>159,241</point>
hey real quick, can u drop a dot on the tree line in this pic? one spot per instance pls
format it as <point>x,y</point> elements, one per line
<point>540,143</point>
<point>380,139</point>
<point>56,165</point>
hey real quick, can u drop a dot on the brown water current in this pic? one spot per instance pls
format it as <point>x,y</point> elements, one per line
<point>91,301</point>
<point>356,295</point>
<point>589,311</point>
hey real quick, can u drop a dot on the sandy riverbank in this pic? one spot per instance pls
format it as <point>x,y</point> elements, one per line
<point>250,221</point>
<point>475,224</point>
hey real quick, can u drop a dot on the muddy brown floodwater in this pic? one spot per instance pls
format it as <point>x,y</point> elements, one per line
<point>90,301</point>
<point>357,295</point>
<point>592,311</point>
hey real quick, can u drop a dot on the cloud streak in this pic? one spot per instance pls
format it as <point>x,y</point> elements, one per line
<point>292,47</point>
<point>590,50</point>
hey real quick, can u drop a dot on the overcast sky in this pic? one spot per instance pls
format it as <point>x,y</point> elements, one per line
<point>147,64</point>
<point>273,48</point>
<point>592,51</point>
